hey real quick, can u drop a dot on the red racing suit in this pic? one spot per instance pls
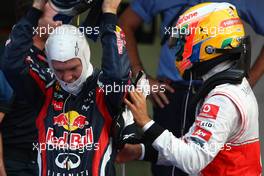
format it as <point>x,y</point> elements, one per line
<point>224,139</point>
<point>73,131</point>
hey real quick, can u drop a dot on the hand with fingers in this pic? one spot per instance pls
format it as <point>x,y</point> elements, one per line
<point>157,92</point>
<point>138,107</point>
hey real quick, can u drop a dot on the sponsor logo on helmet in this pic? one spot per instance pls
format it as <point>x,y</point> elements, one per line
<point>230,22</point>
<point>187,17</point>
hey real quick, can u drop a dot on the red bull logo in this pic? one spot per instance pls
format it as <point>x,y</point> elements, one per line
<point>70,121</point>
<point>60,120</point>
<point>76,140</point>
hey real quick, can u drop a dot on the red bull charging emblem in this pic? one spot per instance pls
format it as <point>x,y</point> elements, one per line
<point>70,121</point>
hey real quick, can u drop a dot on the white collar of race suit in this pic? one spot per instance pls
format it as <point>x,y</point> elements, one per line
<point>218,68</point>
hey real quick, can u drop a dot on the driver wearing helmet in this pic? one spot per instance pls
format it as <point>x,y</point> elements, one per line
<point>209,45</point>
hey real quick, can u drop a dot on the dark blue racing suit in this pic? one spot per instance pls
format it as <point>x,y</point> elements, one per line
<point>73,131</point>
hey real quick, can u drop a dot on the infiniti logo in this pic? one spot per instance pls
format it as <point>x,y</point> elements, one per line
<point>67,161</point>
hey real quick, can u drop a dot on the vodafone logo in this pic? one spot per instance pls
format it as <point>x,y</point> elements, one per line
<point>206,108</point>
<point>187,17</point>
<point>209,111</point>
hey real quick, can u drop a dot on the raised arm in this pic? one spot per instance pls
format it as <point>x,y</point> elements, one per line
<point>23,62</point>
<point>115,62</point>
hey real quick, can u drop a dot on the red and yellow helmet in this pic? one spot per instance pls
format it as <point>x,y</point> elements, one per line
<point>204,29</point>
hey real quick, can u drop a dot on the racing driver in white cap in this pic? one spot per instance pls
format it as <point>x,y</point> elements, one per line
<point>75,113</point>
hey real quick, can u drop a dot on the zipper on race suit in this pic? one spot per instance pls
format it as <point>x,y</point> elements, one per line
<point>69,133</point>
